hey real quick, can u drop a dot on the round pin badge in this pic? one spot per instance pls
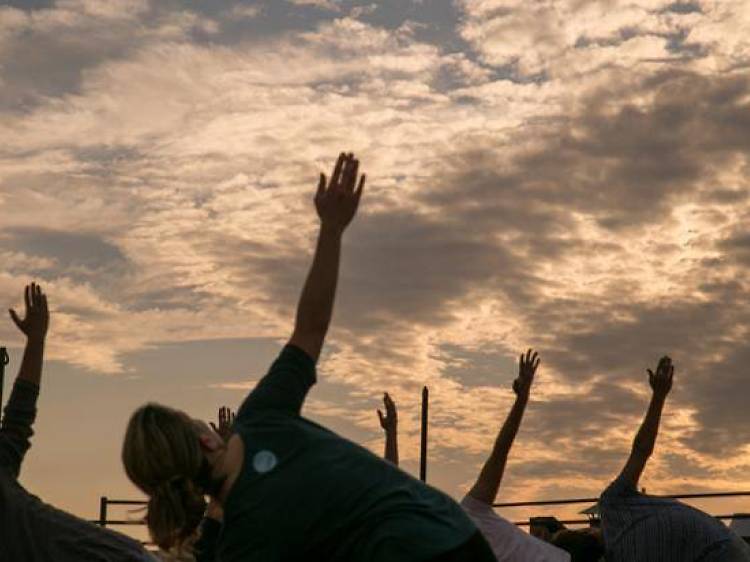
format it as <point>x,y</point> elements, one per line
<point>264,461</point>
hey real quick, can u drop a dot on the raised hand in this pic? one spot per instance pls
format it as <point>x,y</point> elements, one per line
<point>337,200</point>
<point>226,419</point>
<point>661,381</point>
<point>35,322</point>
<point>389,421</point>
<point>527,366</point>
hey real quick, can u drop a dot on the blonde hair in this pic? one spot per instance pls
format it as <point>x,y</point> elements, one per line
<point>163,457</point>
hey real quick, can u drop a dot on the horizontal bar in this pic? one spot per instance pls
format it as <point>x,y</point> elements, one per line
<point>127,502</point>
<point>119,522</point>
<point>527,523</point>
<point>594,500</point>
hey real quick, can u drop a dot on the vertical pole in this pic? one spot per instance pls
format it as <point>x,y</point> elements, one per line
<point>423,449</point>
<point>4,360</point>
<point>103,511</point>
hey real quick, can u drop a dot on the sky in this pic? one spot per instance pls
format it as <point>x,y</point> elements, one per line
<point>567,175</point>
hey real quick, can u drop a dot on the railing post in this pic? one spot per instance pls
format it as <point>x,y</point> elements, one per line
<point>4,360</point>
<point>103,511</point>
<point>423,448</point>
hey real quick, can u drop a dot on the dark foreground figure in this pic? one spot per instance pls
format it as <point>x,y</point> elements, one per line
<point>289,488</point>
<point>31,530</point>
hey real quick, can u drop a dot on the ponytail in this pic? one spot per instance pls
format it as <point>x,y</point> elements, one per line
<point>163,457</point>
<point>175,511</point>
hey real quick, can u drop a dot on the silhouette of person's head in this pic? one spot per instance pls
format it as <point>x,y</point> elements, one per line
<point>169,456</point>
<point>582,545</point>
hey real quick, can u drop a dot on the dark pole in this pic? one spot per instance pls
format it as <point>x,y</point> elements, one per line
<point>4,360</point>
<point>423,450</point>
<point>103,511</point>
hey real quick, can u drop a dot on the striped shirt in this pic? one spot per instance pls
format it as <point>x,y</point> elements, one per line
<point>640,528</point>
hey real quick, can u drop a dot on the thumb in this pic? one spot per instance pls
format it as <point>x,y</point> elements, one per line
<point>15,318</point>
<point>213,426</point>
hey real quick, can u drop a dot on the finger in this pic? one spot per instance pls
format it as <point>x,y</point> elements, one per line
<point>346,173</point>
<point>321,186</point>
<point>335,178</point>
<point>38,296</point>
<point>536,363</point>
<point>15,318</point>
<point>360,189</point>
<point>351,178</point>
<point>232,415</point>
<point>44,306</point>
<point>27,297</point>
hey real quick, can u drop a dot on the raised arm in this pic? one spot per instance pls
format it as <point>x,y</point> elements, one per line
<point>488,483</point>
<point>645,439</point>
<point>20,412</point>
<point>336,202</point>
<point>389,423</point>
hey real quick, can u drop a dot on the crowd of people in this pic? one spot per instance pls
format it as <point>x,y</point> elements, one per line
<point>269,485</point>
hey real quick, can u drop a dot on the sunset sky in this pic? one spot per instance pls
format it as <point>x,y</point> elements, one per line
<point>568,175</point>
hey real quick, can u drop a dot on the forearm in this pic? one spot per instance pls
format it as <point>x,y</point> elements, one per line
<point>488,483</point>
<point>316,302</point>
<point>31,364</point>
<point>391,446</point>
<point>645,439</point>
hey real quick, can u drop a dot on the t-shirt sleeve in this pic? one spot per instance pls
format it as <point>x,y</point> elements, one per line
<point>285,386</point>
<point>15,430</point>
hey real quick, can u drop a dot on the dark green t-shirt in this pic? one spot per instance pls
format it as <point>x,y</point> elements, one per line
<point>306,494</point>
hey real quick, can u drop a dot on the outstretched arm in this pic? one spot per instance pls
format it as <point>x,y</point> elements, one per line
<point>488,483</point>
<point>389,423</point>
<point>336,202</point>
<point>20,412</point>
<point>643,444</point>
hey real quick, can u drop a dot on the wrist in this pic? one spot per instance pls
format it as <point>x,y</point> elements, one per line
<point>35,341</point>
<point>331,230</point>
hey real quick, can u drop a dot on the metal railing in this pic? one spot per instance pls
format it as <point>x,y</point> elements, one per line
<point>569,501</point>
<point>105,502</point>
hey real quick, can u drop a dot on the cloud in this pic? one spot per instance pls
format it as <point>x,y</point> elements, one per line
<point>557,175</point>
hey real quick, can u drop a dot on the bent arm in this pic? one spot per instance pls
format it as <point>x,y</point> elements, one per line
<point>488,483</point>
